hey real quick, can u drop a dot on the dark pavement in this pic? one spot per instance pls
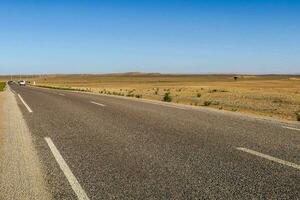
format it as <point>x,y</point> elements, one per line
<point>130,149</point>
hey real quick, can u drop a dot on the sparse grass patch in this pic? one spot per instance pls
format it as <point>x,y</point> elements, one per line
<point>217,90</point>
<point>130,94</point>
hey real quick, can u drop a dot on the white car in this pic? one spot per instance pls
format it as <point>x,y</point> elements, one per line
<point>22,83</point>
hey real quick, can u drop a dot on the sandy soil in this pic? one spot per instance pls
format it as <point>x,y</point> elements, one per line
<point>20,171</point>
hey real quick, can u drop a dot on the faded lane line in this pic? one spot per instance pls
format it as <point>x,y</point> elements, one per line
<point>61,94</point>
<point>99,104</point>
<point>13,91</point>
<point>25,104</point>
<point>271,158</point>
<point>67,171</point>
<point>291,128</point>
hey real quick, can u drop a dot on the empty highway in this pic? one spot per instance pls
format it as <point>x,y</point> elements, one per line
<point>103,147</point>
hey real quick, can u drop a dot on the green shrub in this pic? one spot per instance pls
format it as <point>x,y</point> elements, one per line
<point>198,95</point>
<point>167,97</point>
<point>2,86</point>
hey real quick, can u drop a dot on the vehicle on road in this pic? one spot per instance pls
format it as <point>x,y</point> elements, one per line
<point>22,83</point>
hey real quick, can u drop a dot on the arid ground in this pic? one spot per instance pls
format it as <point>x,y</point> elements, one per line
<point>275,96</point>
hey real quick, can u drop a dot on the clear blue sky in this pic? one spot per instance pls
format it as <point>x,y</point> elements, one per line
<point>167,36</point>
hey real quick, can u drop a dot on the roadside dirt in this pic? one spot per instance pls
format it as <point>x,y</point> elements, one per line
<point>1,119</point>
<point>21,176</point>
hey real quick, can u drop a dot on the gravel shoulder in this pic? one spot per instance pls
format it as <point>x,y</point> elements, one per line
<point>21,176</point>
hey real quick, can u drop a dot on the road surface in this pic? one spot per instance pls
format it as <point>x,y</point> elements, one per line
<point>103,147</point>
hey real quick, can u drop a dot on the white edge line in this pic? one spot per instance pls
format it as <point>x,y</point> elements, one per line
<point>291,128</point>
<point>67,171</point>
<point>99,104</point>
<point>25,104</point>
<point>271,158</point>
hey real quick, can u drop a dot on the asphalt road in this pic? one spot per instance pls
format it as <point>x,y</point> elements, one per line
<point>118,148</point>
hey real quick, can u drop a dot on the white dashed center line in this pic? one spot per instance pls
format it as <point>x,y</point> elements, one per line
<point>25,104</point>
<point>271,158</point>
<point>99,104</point>
<point>67,171</point>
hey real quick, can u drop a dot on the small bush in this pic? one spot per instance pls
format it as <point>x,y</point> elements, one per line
<point>212,91</point>
<point>207,103</point>
<point>138,96</point>
<point>298,116</point>
<point>167,97</point>
<point>198,95</point>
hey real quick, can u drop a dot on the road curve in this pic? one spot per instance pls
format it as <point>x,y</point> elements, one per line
<point>123,149</point>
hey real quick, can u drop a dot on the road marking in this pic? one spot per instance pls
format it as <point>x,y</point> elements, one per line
<point>99,104</point>
<point>25,104</point>
<point>13,91</point>
<point>291,128</point>
<point>61,94</point>
<point>271,158</point>
<point>67,171</point>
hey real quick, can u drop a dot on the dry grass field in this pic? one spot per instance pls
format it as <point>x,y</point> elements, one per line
<point>275,96</point>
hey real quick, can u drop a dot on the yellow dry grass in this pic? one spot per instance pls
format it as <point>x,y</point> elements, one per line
<point>275,96</point>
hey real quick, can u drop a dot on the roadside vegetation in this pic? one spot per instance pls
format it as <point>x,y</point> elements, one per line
<point>275,96</point>
<point>64,88</point>
<point>2,86</point>
<point>298,116</point>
